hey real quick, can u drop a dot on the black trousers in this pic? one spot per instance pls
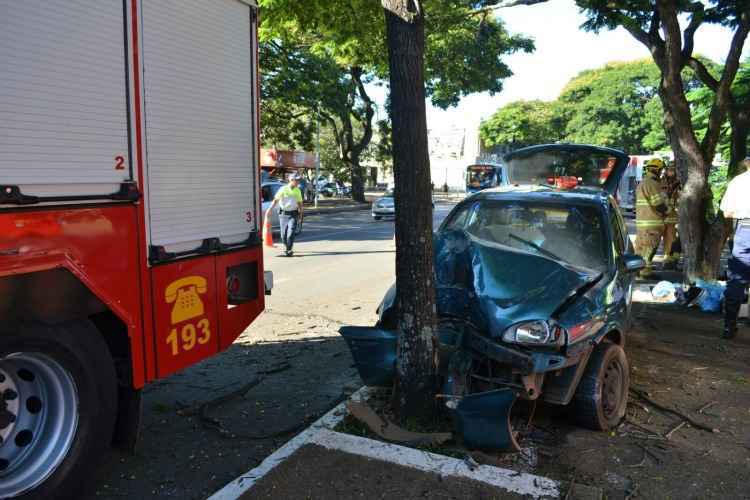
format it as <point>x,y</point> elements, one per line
<point>288,223</point>
<point>738,270</point>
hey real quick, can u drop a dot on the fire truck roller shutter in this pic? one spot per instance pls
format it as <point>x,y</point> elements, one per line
<point>63,97</point>
<point>199,86</point>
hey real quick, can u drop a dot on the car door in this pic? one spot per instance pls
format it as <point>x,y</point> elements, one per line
<point>624,280</point>
<point>267,192</point>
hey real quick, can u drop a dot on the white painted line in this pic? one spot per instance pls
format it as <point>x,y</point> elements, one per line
<point>239,486</point>
<point>506,479</point>
<point>321,433</point>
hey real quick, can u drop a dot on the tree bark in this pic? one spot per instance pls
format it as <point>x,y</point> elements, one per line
<point>740,123</point>
<point>415,300</point>
<point>702,239</point>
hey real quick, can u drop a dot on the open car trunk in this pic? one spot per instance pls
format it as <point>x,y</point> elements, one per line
<point>567,166</point>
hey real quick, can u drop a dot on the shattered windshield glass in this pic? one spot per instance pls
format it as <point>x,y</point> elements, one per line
<point>562,169</point>
<point>570,233</point>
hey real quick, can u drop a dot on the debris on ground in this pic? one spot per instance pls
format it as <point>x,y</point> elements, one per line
<point>391,432</point>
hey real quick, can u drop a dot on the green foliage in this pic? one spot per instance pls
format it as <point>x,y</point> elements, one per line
<point>464,48</point>
<point>637,14</point>
<point>523,123</point>
<point>605,106</point>
<point>295,85</point>
<point>616,105</point>
<point>701,100</point>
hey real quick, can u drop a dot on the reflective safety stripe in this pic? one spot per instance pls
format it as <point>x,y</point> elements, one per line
<point>649,223</point>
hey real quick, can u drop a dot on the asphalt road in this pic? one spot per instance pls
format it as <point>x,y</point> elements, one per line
<point>339,260</point>
<point>342,266</point>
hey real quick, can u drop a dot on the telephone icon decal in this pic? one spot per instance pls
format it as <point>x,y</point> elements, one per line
<point>185,294</point>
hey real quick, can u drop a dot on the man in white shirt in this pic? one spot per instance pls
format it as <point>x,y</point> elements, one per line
<point>736,205</point>
<point>289,199</point>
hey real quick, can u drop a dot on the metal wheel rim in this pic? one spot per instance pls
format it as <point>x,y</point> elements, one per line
<point>38,420</point>
<point>612,389</point>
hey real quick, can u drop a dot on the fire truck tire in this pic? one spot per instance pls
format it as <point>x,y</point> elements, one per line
<point>63,383</point>
<point>601,397</point>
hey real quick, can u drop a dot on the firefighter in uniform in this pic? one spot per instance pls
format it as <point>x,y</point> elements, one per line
<point>736,206</point>
<point>650,210</point>
<point>671,187</point>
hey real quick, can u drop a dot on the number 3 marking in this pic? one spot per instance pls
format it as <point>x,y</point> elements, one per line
<point>119,163</point>
<point>204,325</point>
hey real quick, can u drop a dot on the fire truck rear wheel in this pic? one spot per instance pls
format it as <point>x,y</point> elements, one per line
<point>58,406</point>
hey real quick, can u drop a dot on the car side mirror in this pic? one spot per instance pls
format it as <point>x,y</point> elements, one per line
<point>633,263</point>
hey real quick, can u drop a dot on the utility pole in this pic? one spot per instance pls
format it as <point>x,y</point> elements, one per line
<point>317,157</point>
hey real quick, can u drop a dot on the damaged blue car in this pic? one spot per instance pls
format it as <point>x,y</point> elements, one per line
<point>534,283</point>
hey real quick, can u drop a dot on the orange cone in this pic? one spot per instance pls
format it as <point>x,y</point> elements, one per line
<point>267,234</point>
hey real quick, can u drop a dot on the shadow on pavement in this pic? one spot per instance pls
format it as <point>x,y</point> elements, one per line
<point>320,254</point>
<point>189,457</point>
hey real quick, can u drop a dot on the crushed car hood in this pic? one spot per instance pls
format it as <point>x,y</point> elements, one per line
<point>494,286</point>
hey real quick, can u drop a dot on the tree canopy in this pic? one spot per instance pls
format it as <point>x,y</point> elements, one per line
<point>523,123</point>
<point>464,45</point>
<point>616,105</point>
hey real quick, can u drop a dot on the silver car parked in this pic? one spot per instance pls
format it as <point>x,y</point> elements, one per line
<point>383,206</point>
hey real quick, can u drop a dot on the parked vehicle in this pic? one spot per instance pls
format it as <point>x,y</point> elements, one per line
<point>534,287</point>
<point>331,189</point>
<point>129,218</point>
<point>267,192</point>
<point>485,176</point>
<point>383,206</point>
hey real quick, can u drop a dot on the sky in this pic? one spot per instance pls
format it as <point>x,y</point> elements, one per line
<point>562,51</point>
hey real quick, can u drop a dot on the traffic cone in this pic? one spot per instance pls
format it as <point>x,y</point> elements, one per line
<point>267,234</point>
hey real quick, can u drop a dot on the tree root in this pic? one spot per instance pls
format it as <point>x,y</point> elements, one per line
<point>200,409</point>
<point>672,411</point>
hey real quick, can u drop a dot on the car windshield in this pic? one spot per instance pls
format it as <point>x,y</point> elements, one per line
<point>480,176</point>
<point>561,168</point>
<point>571,233</point>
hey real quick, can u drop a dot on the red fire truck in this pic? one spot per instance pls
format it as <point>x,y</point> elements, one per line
<point>129,216</point>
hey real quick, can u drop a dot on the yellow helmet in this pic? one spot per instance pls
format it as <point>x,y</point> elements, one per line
<point>654,164</point>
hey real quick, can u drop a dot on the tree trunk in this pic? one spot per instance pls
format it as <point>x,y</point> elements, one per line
<point>358,181</point>
<point>740,122</point>
<point>415,301</point>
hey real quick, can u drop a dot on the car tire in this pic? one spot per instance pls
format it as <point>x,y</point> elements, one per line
<point>601,398</point>
<point>67,370</point>
<point>377,217</point>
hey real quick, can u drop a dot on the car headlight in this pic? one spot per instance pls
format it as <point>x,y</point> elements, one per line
<point>532,332</point>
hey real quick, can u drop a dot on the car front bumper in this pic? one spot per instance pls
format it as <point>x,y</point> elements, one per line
<point>383,211</point>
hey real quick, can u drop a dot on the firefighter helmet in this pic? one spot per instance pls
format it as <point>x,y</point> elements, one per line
<point>655,165</point>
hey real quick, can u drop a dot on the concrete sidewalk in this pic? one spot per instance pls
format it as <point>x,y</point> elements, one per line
<point>326,464</point>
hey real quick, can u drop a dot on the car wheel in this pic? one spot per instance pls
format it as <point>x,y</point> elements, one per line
<point>58,409</point>
<point>377,217</point>
<point>602,395</point>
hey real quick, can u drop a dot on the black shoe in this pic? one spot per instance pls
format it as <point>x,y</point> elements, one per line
<point>730,330</point>
<point>289,253</point>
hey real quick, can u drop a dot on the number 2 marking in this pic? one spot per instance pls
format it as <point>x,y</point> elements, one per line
<point>119,163</point>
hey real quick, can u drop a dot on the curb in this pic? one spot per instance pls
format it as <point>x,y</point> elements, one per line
<point>334,210</point>
<point>321,433</point>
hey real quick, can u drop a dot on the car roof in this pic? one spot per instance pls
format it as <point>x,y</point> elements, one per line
<point>546,194</point>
